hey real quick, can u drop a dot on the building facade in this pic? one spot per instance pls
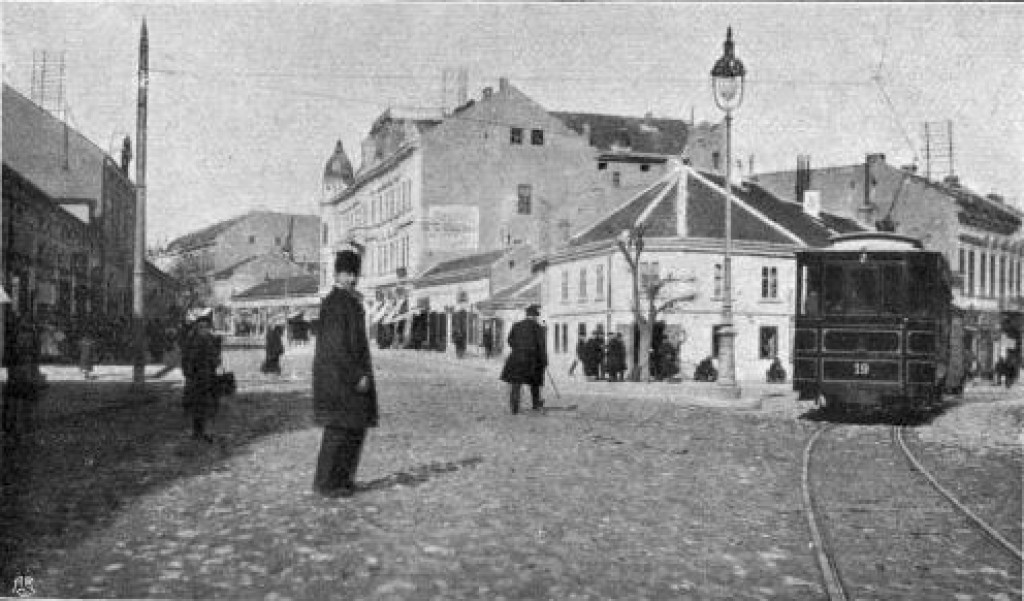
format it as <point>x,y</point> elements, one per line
<point>497,172</point>
<point>77,175</point>
<point>587,286</point>
<point>980,236</point>
<point>213,256</point>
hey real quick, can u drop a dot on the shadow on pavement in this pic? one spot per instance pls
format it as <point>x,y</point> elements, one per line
<point>96,446</point>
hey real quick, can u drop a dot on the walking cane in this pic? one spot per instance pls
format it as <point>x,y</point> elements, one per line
<point>552,380</point>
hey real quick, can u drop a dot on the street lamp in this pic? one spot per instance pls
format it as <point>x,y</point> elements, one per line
<point>727,79</point>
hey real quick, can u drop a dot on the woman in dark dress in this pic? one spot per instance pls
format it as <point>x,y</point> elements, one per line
<point>200,357</point>
<point>274,350</point>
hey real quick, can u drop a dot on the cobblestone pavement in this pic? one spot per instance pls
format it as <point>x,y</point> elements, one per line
<point>620,491</point>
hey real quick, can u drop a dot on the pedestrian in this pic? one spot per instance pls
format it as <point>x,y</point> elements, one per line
<point>581,353</point>
<point>488,340</point>
<point>776,373</point>
<point>200,358</point>
<point>616,358</point>
<point>344,394</point>
<point>594,356</point>
<point>527,360</point>
<point>459,338</point>
<point>87,352</point>
<point>706,371</point>
<point>274,350</point>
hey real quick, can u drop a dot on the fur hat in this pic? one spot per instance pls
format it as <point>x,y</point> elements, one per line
<point>533,311</point>
<point>347,261</point>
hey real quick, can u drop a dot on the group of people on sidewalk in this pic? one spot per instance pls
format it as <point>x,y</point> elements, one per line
<point>601,358</point>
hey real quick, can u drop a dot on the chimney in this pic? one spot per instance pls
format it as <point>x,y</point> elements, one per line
<point>502,84</point>
<point>812,202</point>
<point>952,181</point>
<point>876,157</point>
<point>488,91</point>
<point>586,132</point>
<point>911,168</point>
<point>996,198</point>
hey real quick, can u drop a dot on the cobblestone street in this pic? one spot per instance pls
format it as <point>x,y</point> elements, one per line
<point>615,493</point>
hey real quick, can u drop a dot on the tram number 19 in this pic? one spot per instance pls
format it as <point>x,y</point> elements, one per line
<point>861,369</point>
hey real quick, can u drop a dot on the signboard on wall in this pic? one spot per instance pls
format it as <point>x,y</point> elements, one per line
<point>453,227</point>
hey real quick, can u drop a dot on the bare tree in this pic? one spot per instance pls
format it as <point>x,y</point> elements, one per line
<point>658,292</point>
<point>195,288</point>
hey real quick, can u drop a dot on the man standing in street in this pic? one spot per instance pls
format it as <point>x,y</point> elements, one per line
<point>527,360</point>
<point>344,395</point>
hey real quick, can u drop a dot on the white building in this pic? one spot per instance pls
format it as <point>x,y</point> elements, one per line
<point>587,285</point>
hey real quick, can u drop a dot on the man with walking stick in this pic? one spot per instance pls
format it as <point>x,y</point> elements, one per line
<point>527,361</point>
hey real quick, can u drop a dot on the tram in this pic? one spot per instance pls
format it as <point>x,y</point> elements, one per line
<point>876,328</point>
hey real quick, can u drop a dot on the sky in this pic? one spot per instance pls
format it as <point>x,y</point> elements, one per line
<point>247,100</point>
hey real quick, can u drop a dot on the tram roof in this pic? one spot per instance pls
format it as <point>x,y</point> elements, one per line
<point>861,241</point>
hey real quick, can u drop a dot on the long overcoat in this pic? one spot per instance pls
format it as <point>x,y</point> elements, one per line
<point>341,358</point>
<point>616,355</point>
<point>528,357</point>
<point>200,357</point>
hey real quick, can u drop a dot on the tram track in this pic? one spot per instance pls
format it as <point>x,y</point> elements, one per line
<point>873,511</point>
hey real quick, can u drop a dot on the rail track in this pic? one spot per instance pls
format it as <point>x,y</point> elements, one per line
<point>883,512</point>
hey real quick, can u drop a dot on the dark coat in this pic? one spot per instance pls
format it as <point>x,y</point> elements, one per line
<point>200,357</point>
<point>616,355</point>
<point>275,346</point>
<point>595,353</point>
<point>341,358</point>
<point>528,357</point>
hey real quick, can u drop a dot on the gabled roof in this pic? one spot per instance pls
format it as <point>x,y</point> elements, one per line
<point>757,215</point>
<point>470,263</point>
<point>204,236</point>
<point>230,270</point>
<point>637,134</point>
<point>297,286</point>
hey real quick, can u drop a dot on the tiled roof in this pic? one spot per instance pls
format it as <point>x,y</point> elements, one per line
<point>757,215</point>
<point>638,134</point>
<point>204,236</point>
<point>480,260</point>
<point>625,216</point>
<point>519,295</point>
<point>296,286</point>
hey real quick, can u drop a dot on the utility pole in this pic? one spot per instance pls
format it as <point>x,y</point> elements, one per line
<point>139,270</point>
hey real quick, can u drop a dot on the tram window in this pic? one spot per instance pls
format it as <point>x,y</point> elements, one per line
<point>833,285</point>
<point>810,290</point>
<point>894,294</point>
<point>863,296</point>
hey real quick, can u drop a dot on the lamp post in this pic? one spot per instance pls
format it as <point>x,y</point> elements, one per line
<point>727,79</point>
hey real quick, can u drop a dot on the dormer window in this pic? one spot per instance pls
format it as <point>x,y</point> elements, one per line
<point>515,135</point>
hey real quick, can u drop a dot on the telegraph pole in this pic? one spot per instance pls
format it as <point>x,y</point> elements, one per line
<point>139,270</point>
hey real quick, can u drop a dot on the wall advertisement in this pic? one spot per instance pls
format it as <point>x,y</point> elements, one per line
<point>453,227</point>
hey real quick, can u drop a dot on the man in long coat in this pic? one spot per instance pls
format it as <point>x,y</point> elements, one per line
<point>344,395</point>
<point>527,360</point>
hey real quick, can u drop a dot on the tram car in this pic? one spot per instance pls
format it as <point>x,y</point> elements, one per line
<point>876,328</point>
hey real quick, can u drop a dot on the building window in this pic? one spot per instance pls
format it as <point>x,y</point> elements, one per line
<point>1018,276</point>
<point>525,198</point>
<point>982,271</point>
<point>992,275</point>
<point>1002,277</point>
<point>769,282</point>
<point>583,284</point>
<point>716,160</point>
<point>515,135</point>
<point>616,179</point>
<point>645,168</point>
<point>325,233</point>
<point>599,283</point>
<point>537,137</point>
<point>715,332</point>
<point>252,239</point>
<point>970,273</point>
<point>602,166</point>
<point>650,273</point>
<point>565,337</point>
<point>565,286</point>
<point>769,342</point>
<point>717,290</point>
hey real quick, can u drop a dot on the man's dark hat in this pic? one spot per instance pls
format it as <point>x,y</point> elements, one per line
<point>533,311</point>
<point>347,261</point>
